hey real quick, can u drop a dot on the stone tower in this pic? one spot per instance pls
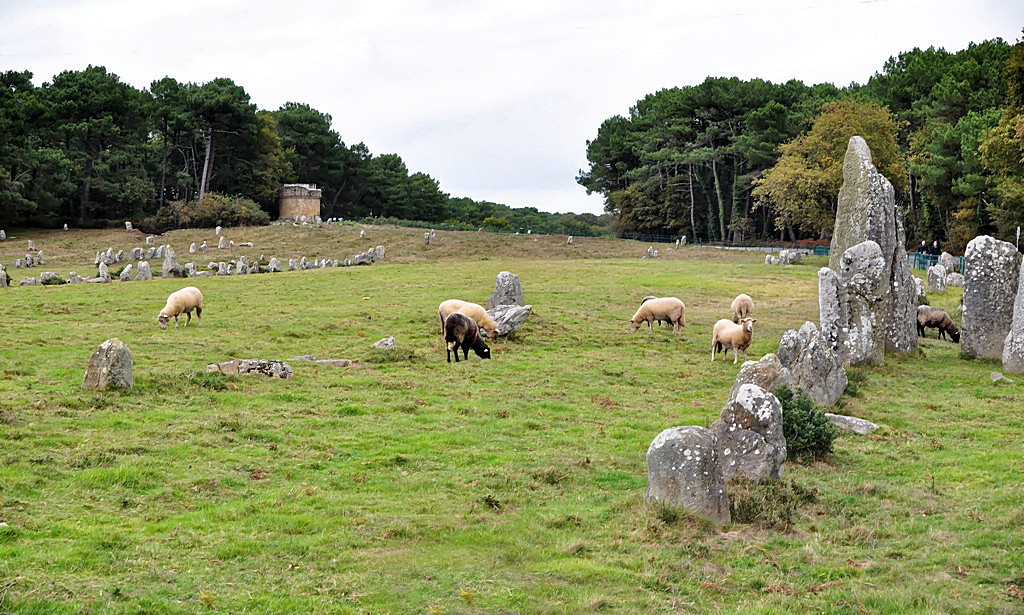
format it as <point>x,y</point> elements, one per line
<point>300,200</point>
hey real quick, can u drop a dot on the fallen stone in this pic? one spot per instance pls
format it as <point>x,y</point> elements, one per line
<point>388,343</point>
<point>509,318</point>
<point>851,424</point>
<point>332,362</point>
<point>997,377</point>
<point>258,367</point>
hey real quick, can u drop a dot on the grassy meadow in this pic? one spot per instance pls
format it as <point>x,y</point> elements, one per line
<point>405,484</point>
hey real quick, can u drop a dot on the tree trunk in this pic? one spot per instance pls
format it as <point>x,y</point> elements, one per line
<point>207,165</point>
<point>693,224</point>
<point>83,211</point>
<point>721,203</point>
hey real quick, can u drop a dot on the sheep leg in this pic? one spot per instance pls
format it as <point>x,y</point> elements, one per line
<point>450,355</point>
<point>188,317</point>
<point>465,351</point>
<point>175,321</point>
<point>714,345</point>
<point>199,315</point>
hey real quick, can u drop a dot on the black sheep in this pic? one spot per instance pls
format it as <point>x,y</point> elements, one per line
<point>461,330</point>
<point>934,318</point>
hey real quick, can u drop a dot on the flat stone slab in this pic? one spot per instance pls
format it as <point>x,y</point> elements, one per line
<point>851,424</point>
<point>260,367</point>
<point>332,362</point>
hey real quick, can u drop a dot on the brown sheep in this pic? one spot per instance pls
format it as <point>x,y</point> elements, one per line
<point>462,331</point>
<point>934,318</point>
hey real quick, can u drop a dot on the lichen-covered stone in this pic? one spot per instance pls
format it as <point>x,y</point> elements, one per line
<point>508,290</point>
<point>110,367</point>
<point>861,271</point>
<point>260,367</point>
<point>509,318</point>
<point>751,444</point>
<point>683,470</point>
<point>937,279</point>
<point>1013,345</point>
<point>990,288</point>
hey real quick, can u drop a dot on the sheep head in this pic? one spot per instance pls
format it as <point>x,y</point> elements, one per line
<point>748,324</point>
<point>163,319</point>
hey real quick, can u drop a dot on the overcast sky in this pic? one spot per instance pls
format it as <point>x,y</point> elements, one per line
<point>495,100</point>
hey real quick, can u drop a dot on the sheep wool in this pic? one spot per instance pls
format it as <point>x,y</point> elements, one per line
<point>182,301</point>
<point>473,310</point>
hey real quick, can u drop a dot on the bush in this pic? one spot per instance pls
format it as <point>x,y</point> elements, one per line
<point>212,210</point>
<point>773,504</point>
<point>809,434</point>
<point>54,281</point>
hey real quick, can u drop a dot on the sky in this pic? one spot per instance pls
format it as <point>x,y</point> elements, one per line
<point>495,100</point>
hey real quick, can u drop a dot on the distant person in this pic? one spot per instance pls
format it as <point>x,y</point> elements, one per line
<point>934,249</point>
<point>923,248</point>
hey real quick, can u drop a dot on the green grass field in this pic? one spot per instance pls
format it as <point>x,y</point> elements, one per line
<point>404,484</point>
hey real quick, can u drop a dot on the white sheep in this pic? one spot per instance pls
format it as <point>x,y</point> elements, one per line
<point>184,300</point>
<point>668,309</point>
<point>742,306</point>
<point>728,334</point>
<point>474,311</point>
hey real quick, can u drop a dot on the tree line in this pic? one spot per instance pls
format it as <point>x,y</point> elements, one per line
<point>89,148</point>
<point>735,160</point>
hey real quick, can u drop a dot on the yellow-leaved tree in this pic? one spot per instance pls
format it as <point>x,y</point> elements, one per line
<point>802,189</point>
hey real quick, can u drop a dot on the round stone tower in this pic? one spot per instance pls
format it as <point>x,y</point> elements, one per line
<point>300,200</point>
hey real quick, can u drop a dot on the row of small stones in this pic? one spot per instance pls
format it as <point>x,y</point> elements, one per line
<point>239,267</point>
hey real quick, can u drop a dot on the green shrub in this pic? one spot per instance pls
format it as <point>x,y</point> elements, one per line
<point>212,210</point>
<point>55,281</point>
<point>773,504</point>
<point>809,434</point>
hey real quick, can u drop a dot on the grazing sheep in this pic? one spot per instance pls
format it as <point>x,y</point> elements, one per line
<point>645,300</point>
<point>462,331</point>
<point>742,306</point>
<point>184,300</point>
<point>934,318</point>
<point>474,311</point>
<point>668,309</point>
<point>736,336</point>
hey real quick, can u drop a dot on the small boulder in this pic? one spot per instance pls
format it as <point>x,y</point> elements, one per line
<point>110,367</point>
<point>258,367</point>
<point>509,318</point>
<point>851,424</point>
<point>388,343</point>
<point>937,279</point>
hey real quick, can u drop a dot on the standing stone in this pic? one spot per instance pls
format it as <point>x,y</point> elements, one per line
<point>126,273</point>
<point>291,265</point>
<point>203,247</point>
<point>955,279</point>
<point>946,260</point>
<point>231,244</point>
<point>40,259</point>
<point>222,269</point>
<point>119,256</point>
<point>65,226</point>
<point>922,297</point>
<point>31,245</point>
<point>150,240</point>
<point>833,311</point>
<point>127,226</point>
<point>220,242</point>
<point>379,252</point>
<point>302,264</point>
<point>170,268</point>
<point>3,276</point>
<point>426,239</point>
<point>810,365</point>
<point>104,272</point>
<point>74,278</point>
<point>568,241</point>
<point>990,286</point>
<point>135,254</point>
<point>750,440</point>
<point>161,252</point>
<point>150,254</point>
<point>862,271</point>
<point>190,268</point>
<point>242,266</point>
<point>274,266</point>
<point>144,272</point>
<point>867,210</point>
<point>3,235</point>
<point>1013,345</point>
<point>937,279</point>
<point>19,263</point>
<point>683,470</point>
<point>192,248</point>
<point>362,234</point>
<point>30,261</point>
<point>216,231</point>
<point>507,291</point>
<point>110,367</point>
